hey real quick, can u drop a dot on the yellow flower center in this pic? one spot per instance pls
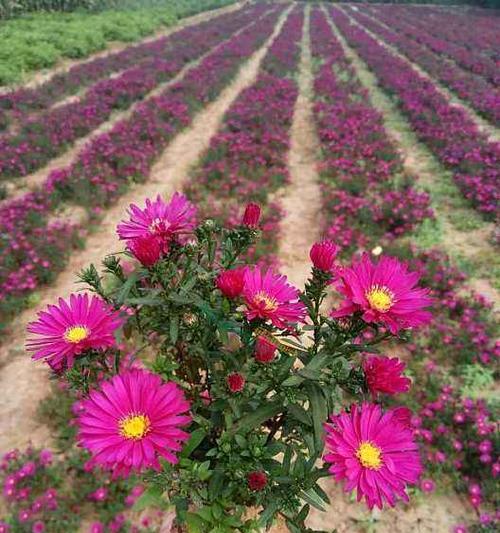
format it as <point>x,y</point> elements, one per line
<point>380,298</point>
<point>76,334</point>
<point>262,299</point>
<point>134,426</point>
<point>369,455</point>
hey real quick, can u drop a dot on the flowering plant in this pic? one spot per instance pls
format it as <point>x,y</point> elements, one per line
<point>224,404</point>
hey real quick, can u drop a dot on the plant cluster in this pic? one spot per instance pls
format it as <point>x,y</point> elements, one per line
<point>238,383</point>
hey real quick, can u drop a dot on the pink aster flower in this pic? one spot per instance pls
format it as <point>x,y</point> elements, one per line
<point>373,452</point>
<point>385,375</point>
<point>270,297</point>
<point>66,330</point>
<point>265,351</point>
<point>158,218</point>
<point>385,293</point>
<point>134,419</point>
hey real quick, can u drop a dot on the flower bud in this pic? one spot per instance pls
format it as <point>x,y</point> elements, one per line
<point>323,255</point>
<point>265,351</point>
<point>147,250</point>
<point>251,216</point>
<point>235,382</point>
<point>257,480</point>
<point>231,282</point>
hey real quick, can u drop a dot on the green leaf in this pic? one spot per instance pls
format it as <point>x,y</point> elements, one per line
<point>174,328</point>
<point>151,497</point>
<point>319,412</point>
<point>300,414</point>
<point>194,523</point>
<point>313,499</point>
<point>126,288</point>
<point>195,440</point>
<point>255,418</point>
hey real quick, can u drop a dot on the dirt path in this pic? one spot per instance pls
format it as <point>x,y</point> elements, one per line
<point>451,209</point>
<point>483,125</point>
<point>24,383</point>
<point>37,78</point>
<point>16,187</point>
<point>300,226</point>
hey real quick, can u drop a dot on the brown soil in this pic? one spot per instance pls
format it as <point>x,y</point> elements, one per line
<point>24,383</point>
<point>300,227</point>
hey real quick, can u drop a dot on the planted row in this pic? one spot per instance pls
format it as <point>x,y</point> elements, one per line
<point>426,30</point>
<point>482,95</point>
<point>247,158</point>
<point>462,333</point>
<point>107,165</point>
<point>42,137</point>
<point>446,129</point>
<point>364,187</point>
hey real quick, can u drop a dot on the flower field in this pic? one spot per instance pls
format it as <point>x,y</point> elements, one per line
<point>249,270</point>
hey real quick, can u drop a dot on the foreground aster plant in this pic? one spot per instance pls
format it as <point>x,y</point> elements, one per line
<point>240,392</point>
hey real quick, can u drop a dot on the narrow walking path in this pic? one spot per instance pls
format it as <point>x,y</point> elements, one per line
<point>458,228</point>
<point>23,383</point>
<point>300,226</point>
<point>483,125</point>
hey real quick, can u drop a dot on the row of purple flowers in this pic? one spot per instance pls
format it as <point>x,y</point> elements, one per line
<point>464,43</point>
<point>446,129</point>
<point>358,161</point>
<point>39,138</point>
<point>106,166</point>
<point>247,158</point>
<point>482,95</point>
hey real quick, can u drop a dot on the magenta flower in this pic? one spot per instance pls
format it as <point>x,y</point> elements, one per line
<point>66,330</point>
<point>270,297</point>
<point>385,293</point>
<point>373,452</point>
<point>323,255</point>
<point>163,220</point>
<point>385,375</point>
<point>134,419</point>
<point>148,250</point>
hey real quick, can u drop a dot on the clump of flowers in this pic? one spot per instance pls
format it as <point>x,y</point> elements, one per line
<point>225,405</point>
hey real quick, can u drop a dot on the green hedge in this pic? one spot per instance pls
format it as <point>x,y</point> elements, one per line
<point>38,40</point>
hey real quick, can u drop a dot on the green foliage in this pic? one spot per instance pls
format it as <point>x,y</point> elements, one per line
<point>38,40</point>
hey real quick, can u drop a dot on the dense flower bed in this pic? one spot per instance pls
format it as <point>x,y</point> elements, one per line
<point>39,138</point>
<point>464,43</point>
<point>447,130</point>
<point>105,166</point>
<point>364,188</point>
<point>483,96</point>
<point>248,156</point>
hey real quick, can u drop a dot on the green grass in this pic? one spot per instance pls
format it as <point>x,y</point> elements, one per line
<point>39,40</point>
